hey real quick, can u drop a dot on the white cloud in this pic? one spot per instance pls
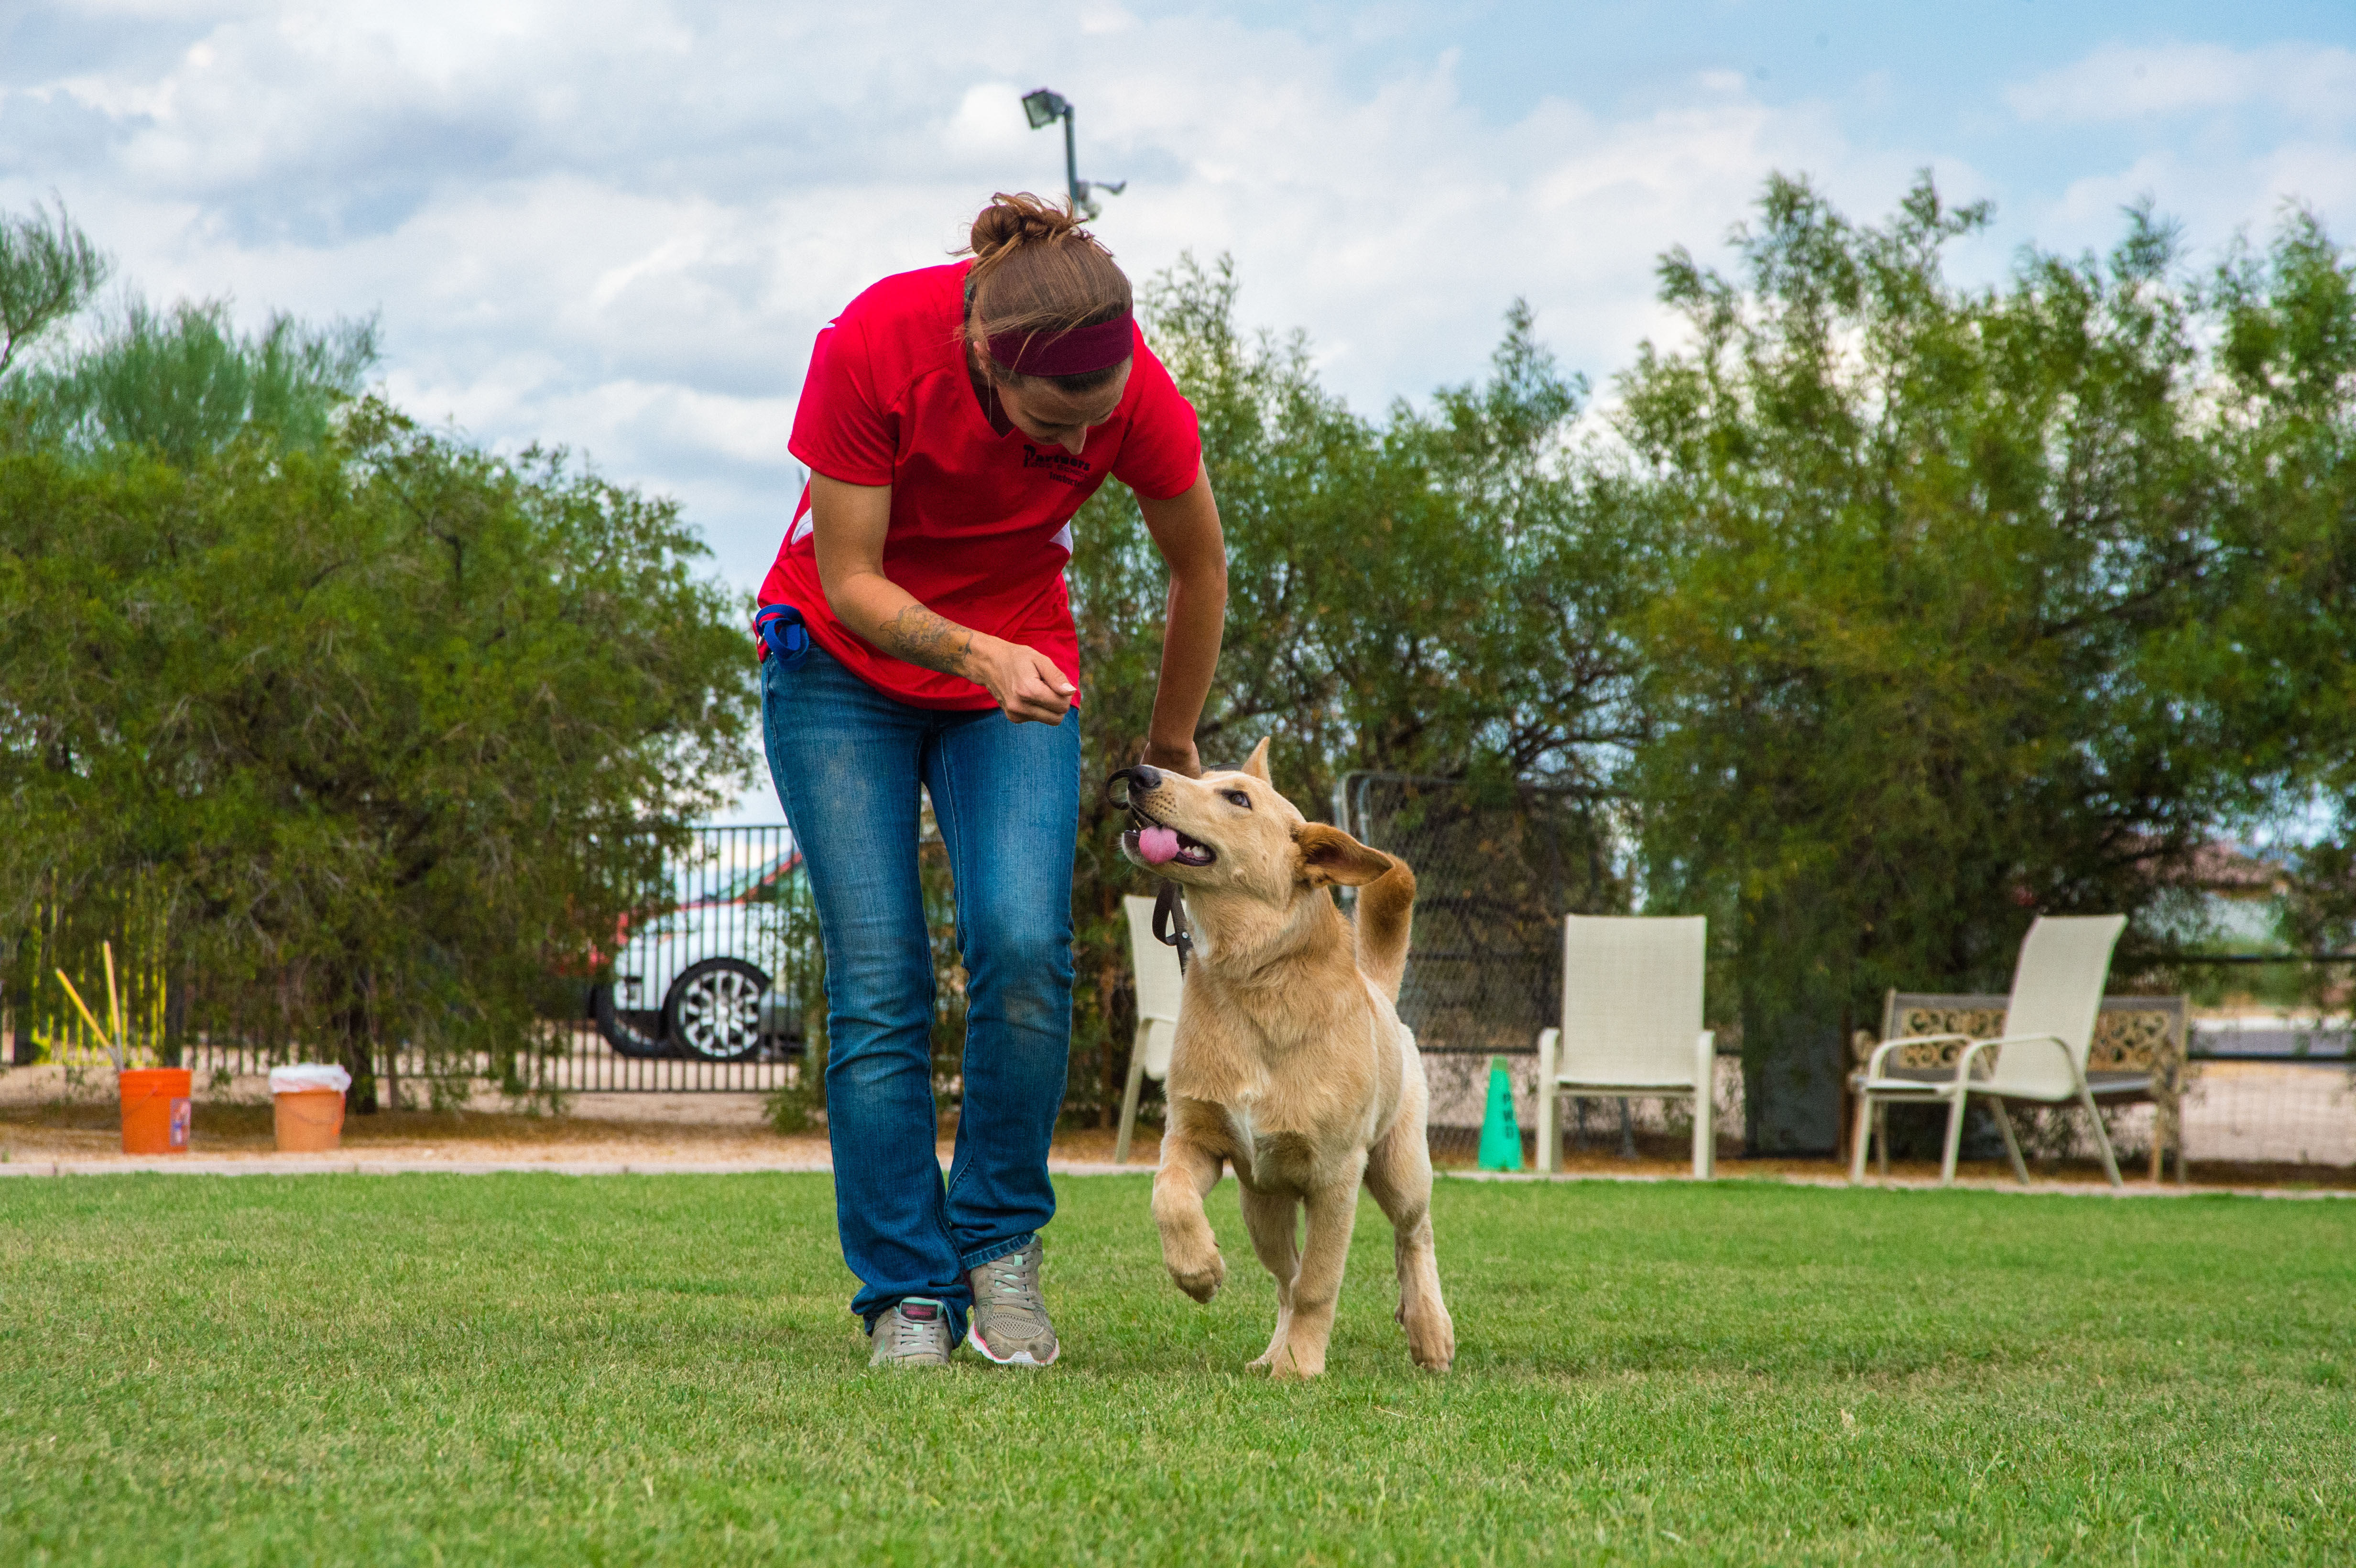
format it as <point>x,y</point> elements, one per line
<point>2262,129</point>
<point>618,224</point>
<point>2121,81</point>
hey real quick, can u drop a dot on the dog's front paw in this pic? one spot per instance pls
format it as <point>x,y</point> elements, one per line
<point>1200,1278</point>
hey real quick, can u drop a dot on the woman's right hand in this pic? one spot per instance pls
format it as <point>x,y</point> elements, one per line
<point>1026,683</point>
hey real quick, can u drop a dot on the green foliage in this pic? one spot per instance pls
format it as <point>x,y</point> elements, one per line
<point>185,383</point>
<point>1887,614</point>
<point>379,721</point>
<point>1871,616</point>
<point>389,717</point>
<point>800,1106</point>
<point>48,272</point>
<point>2288,430</point>
<point>1952,590</point>
<point>1425,596</point>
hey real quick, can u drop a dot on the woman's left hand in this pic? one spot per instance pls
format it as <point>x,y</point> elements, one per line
<point>1179,759</point>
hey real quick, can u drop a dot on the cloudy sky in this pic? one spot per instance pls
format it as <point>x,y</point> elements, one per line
<point>618,226</point>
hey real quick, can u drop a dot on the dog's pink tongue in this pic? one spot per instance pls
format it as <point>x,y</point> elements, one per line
<point>1157,845</point>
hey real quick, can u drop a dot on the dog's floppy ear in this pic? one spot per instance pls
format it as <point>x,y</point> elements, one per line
<point>1328,855</point>
<point>1257,763</point>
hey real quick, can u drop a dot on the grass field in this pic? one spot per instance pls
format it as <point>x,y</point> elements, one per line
<point>432,1369</point>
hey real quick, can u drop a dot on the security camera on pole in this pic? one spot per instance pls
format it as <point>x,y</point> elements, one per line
<point>1044,108</point>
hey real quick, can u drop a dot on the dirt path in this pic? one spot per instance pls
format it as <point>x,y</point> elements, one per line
<point>46,1121</point>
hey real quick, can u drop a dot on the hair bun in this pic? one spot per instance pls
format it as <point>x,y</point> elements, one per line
<point>1020,219</point>
<point>1037,272</point>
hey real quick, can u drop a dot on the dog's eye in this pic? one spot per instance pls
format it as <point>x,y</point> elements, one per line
<point>1238,797</point>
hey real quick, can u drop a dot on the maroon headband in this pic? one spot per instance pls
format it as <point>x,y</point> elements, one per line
<point>1072,353</point>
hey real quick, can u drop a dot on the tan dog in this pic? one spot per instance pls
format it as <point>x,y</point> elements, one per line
<point>1291,1060</point>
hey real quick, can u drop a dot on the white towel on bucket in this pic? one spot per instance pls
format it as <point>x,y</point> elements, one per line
<point>305,1076</point>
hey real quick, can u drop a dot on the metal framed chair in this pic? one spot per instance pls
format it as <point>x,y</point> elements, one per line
<point>2137,1055</point>
<point>1159,981</point>
<point>2049,1026</point>
<point>1631,1025</point>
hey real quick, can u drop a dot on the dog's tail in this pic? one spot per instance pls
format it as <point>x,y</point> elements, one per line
<point>1386,911</point>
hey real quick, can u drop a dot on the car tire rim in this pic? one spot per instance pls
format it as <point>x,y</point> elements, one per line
<point>719,1014</point>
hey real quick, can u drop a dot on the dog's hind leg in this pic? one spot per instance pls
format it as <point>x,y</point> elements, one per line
<point>1274,1225</point>
<point>1190,1168</point>
<point>1399,1174</point>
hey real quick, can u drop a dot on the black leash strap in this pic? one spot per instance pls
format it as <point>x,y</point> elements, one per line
<point>1169,927</point>
<point>1170,923</point>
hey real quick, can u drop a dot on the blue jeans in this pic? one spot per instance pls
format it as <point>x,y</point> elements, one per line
<point>847,760</point>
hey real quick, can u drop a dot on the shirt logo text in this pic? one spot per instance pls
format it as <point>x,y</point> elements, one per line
<point>1061,467</point>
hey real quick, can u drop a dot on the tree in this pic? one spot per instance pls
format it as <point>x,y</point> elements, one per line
<point>49,271</point>
<point>1428,596</point>
<point>2286,325</point>
<point>185,383</point>
<point>1940,641</point>
<point>380,731</point>
<point>386,723</point>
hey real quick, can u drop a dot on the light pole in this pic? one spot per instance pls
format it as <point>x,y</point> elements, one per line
<point>1042,109</point>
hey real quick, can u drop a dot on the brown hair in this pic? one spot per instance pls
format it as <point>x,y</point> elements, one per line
<point>1037,271</point>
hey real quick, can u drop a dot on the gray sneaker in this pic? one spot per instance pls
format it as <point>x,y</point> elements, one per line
<point>1010,1318</point>
<point>913,1333</point>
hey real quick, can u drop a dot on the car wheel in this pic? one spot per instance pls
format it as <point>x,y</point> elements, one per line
<point>630,1031</point>
<point>714,1009</point>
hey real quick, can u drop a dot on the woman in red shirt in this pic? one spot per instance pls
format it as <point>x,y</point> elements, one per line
<point>915,631</point>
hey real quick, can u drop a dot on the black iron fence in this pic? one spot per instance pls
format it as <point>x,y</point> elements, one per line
<point>714,985</point>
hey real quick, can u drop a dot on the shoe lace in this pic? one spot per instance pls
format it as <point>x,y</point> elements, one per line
<point>909,1336</point>
<point>1014,1281</point>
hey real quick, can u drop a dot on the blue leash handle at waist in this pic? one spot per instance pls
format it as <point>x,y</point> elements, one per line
<point>783,633</point>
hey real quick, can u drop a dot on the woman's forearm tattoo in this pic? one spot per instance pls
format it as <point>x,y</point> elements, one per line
<point>921,637</point>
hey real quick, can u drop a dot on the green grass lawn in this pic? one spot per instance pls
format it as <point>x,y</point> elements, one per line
<point>460,1369</point>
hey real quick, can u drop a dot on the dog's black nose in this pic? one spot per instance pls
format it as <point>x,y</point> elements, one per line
<point>1124,782</point>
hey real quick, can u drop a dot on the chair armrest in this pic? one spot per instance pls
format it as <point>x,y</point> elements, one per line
<point>1970,1052</point>
<point>1873,1062</point>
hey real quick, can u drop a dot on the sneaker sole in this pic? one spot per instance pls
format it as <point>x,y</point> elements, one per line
<point>1019,1358</point>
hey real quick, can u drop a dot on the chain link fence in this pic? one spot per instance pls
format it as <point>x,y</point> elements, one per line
<point>2269,1083</point>
<point>1497,865</point>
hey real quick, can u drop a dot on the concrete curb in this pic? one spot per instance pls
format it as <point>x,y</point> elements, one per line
<point>1913,1184</point>
<point>346,1165</point>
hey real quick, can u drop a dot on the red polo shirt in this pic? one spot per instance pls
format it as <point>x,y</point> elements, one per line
<point>981,521</point>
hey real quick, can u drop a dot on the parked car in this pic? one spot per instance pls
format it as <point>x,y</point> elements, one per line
<point>710,978</point>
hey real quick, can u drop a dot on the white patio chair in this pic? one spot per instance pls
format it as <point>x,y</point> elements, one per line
<point>1159,980</point>
<point>1631,1025</point>
<point>2049,1023</point>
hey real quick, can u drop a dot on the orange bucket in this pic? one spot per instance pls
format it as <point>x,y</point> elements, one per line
<point>308,1120</point>
<point>154,1109</point>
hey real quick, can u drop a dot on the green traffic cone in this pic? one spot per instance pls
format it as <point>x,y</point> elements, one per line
<point>1501,1136</point>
